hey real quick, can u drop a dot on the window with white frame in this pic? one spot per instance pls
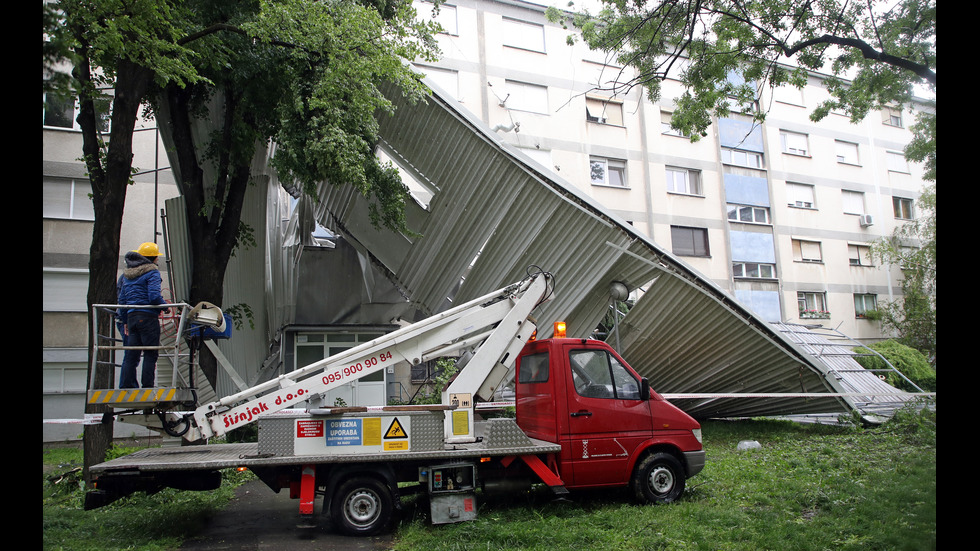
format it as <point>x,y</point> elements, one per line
<point>847,152</point>
<point>853,201</point>
<point>788,93</point>
<point>800,195</point>
<point>891,116</point>
<point>607,172</point>
<point>895,162</point>
<point>604,111</point>
<point>684,181</point>
<point>738,157</point>
<point>748,214</point>
<point>859,255</point>
<point>447,79</point>
<point>523,35</point>
<point>902,207</point>
<point>807,251</point>
<point>67,198</point>
<point>864,303</point>
<point>446,17</point>
<point>753,270</point>
<point>687,241</point>
<point>794,143</point>
<point>812,304</point>
<point>526,97</point>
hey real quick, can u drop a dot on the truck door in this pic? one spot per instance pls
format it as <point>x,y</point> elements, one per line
<point>607,419</point>
<point>536,404</point>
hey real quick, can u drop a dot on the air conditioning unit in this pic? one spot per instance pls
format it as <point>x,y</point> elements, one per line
<point>867,220</point>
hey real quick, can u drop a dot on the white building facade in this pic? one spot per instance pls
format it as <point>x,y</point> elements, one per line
<point>781,214</point>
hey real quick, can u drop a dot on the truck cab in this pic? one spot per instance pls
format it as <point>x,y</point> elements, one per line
<point>613,429</point>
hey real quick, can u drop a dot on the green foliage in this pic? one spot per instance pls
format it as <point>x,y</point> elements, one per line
<point>445,370</point>
<point>912,247</point>
<point>247,433</point>
<point>875,52</point>
<point>907,360</point>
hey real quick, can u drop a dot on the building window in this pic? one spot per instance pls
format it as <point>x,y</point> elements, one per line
<point>526,97</point>
<point>446,17</point>
<point>807,251</point>
<point>687,241</point>
<point>67,198</point>
<point>523,35</point>
<point>853,202</point>
<point>895,161</point>
<point>447,79</point>
<point>794,143</point>
<point>847,152</point>
<point>753,270</point>
<point>607,172</point>
<point>683,180</point>
<point>63,113</point>
<point>902,207</point>
<point>800,196</point>
<point>666,129</point>
<point>604,111</point>
<point>748,159</point>
<point>748,214</point>
<point>812,305</point>
<point>859,255</point>
<point>864,303</point>
<point>891,116</point>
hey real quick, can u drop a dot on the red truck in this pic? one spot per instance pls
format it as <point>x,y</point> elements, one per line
<point>584,419</point>
<point>613,429</point>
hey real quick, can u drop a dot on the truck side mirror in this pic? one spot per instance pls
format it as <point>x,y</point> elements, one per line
<point>644,389</point>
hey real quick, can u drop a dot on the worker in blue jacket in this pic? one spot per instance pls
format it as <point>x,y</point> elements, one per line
<point>140,284</point>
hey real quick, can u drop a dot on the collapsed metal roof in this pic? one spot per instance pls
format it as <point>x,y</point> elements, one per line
<point>494,212</point>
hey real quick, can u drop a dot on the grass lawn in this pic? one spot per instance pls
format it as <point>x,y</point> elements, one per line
<point>808,487</point>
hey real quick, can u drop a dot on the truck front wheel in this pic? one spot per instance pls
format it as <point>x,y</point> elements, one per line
<point>659,478</point>
<point>362,506</point>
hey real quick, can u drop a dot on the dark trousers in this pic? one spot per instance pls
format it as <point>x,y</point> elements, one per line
<point>144,330</point>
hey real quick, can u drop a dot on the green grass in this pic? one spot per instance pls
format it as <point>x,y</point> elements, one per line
<point>809,487</point>
<point>157,522</point>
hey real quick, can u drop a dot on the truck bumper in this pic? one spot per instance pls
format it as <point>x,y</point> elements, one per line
<point>695,462</point>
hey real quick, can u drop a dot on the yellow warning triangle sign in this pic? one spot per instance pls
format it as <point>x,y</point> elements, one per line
<point>395,430</point>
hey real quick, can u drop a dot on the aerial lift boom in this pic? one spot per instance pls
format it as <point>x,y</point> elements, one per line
<point>499,320</point>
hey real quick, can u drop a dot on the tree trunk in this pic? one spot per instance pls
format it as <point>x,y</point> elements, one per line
<point>109,185</point>
<point>213,208</point>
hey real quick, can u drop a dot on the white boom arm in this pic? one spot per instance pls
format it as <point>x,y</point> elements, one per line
<point>499,320</point>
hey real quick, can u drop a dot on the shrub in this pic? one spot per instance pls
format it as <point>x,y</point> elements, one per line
<point>907,360</point>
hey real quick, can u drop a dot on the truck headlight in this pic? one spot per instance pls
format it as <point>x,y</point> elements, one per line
<point>697,434</point>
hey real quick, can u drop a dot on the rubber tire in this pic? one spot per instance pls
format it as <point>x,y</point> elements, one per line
<point>659,478</point>
<point>362,506</point>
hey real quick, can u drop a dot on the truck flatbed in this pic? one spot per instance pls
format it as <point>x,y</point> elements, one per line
<point>496,443</point>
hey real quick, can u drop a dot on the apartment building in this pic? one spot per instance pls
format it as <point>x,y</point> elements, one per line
<point>781,214</point>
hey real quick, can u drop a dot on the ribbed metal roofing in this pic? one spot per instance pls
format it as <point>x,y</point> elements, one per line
<point>495,212</point>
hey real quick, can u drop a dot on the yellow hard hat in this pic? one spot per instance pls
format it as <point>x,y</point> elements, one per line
<point>148,249</point>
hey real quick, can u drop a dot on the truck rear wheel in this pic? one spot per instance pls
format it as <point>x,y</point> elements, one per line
<point>659,478</point>
<point>362,506</point>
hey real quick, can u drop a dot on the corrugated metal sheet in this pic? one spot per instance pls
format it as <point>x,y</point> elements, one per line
<point>497,212</point>
<point>494,215</point>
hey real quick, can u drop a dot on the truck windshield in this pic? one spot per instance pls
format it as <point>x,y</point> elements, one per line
<point>597,374</point>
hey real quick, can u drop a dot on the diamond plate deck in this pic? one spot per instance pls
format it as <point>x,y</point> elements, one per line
<point>224,456</point>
